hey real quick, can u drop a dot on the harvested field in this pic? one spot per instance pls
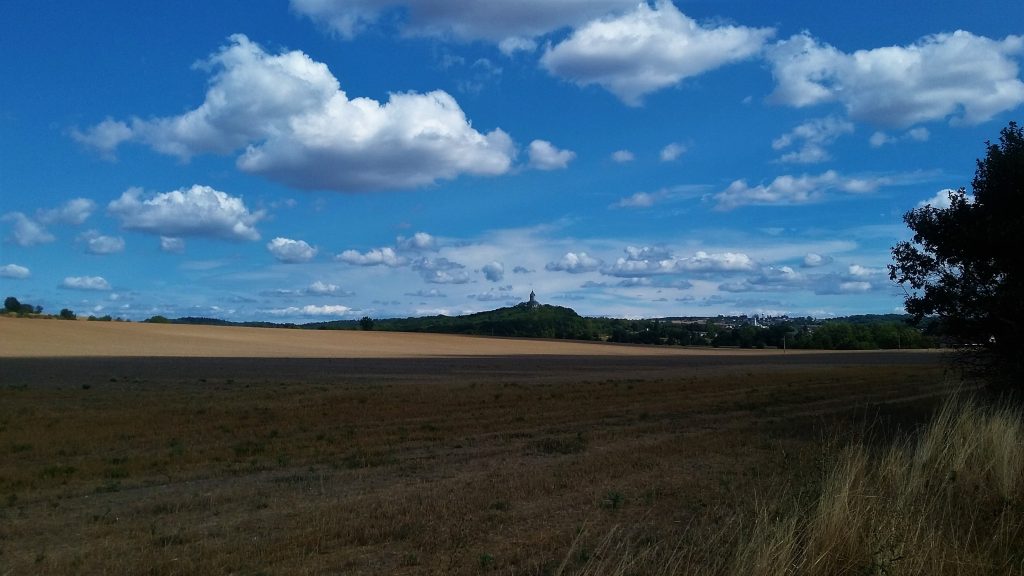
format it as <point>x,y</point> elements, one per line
<point>463,460</point>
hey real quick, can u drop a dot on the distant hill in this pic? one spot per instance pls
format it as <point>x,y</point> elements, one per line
<point>522,321</point>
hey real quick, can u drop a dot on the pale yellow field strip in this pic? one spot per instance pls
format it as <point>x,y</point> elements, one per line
<point>20,337</point>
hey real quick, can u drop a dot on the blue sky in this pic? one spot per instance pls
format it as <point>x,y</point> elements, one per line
<point>324,159</point>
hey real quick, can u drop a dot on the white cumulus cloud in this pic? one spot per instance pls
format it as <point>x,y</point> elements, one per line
<point>14,271</point>
<point>623,156</point>
<point>376,257</point>
<point>95,283</point>
<point>295,125</point>
<point>814,260</point>
<point>195,211</point>
<point>940,200</point>
<point>545,156</point>
<point>650,48</point>
<point>575,263</point>
<point>672,152</point>
<point>291,251</point>
<point>957,76</point>
<point>96,243</point>
<point>418,242</point>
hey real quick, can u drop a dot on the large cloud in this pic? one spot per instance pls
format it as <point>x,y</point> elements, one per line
<point>298,127</point>
<point>195,211</point>
<point>513,24</point>
<point>960,76</point>
<point>648,49</point>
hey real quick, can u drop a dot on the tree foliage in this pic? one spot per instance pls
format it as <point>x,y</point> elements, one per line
<point>965,262</point>
<point>11,304</point>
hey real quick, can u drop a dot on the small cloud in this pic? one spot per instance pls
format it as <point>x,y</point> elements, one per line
<point>940,200</point>
<point>312,310</point>
<point>919,134</point>
<point>93,283</point>
<point>418,242</point>
<point>432,293</point>
<point>672,152</point>
<point>26,231</point>
<point>574,263</point>
<point>14,271</point>
<point>172,244</point>
<point>545,156</point>
<point>74,211</point>
<point>522,270</point>
<point>104,137</point>
<point>320,288</point>
<point>494,271</point>
<point>812,260</point>
<point>96,243</point>
<point>441,271</point>
<point>640,200</point>
<point>623,156</point>
<point>291,251</point>
<point>811,139</point>
<point>376,257</point>
<point>511,45</point>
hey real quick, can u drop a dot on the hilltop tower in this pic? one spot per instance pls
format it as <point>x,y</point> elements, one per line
<point>533,300</point>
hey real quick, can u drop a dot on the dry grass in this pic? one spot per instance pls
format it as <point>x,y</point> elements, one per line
<point>946,501</point>
<point>950,501</point>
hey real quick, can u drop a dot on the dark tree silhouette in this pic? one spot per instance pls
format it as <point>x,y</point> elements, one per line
<point>966,262</point>
<point>11,304</point>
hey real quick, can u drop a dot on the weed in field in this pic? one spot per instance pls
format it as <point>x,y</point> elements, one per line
<point>613,500</point>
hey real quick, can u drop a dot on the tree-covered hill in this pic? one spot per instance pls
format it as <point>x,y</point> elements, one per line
<point>521,320</point>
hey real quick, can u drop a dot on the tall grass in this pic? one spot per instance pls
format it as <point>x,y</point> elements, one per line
<point>947,501</point>
<point>950,501</point>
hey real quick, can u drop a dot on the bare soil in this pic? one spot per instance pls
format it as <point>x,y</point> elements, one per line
<point>366,453</point>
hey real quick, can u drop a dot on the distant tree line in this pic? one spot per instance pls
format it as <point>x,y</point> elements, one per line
<point>859,334</point>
